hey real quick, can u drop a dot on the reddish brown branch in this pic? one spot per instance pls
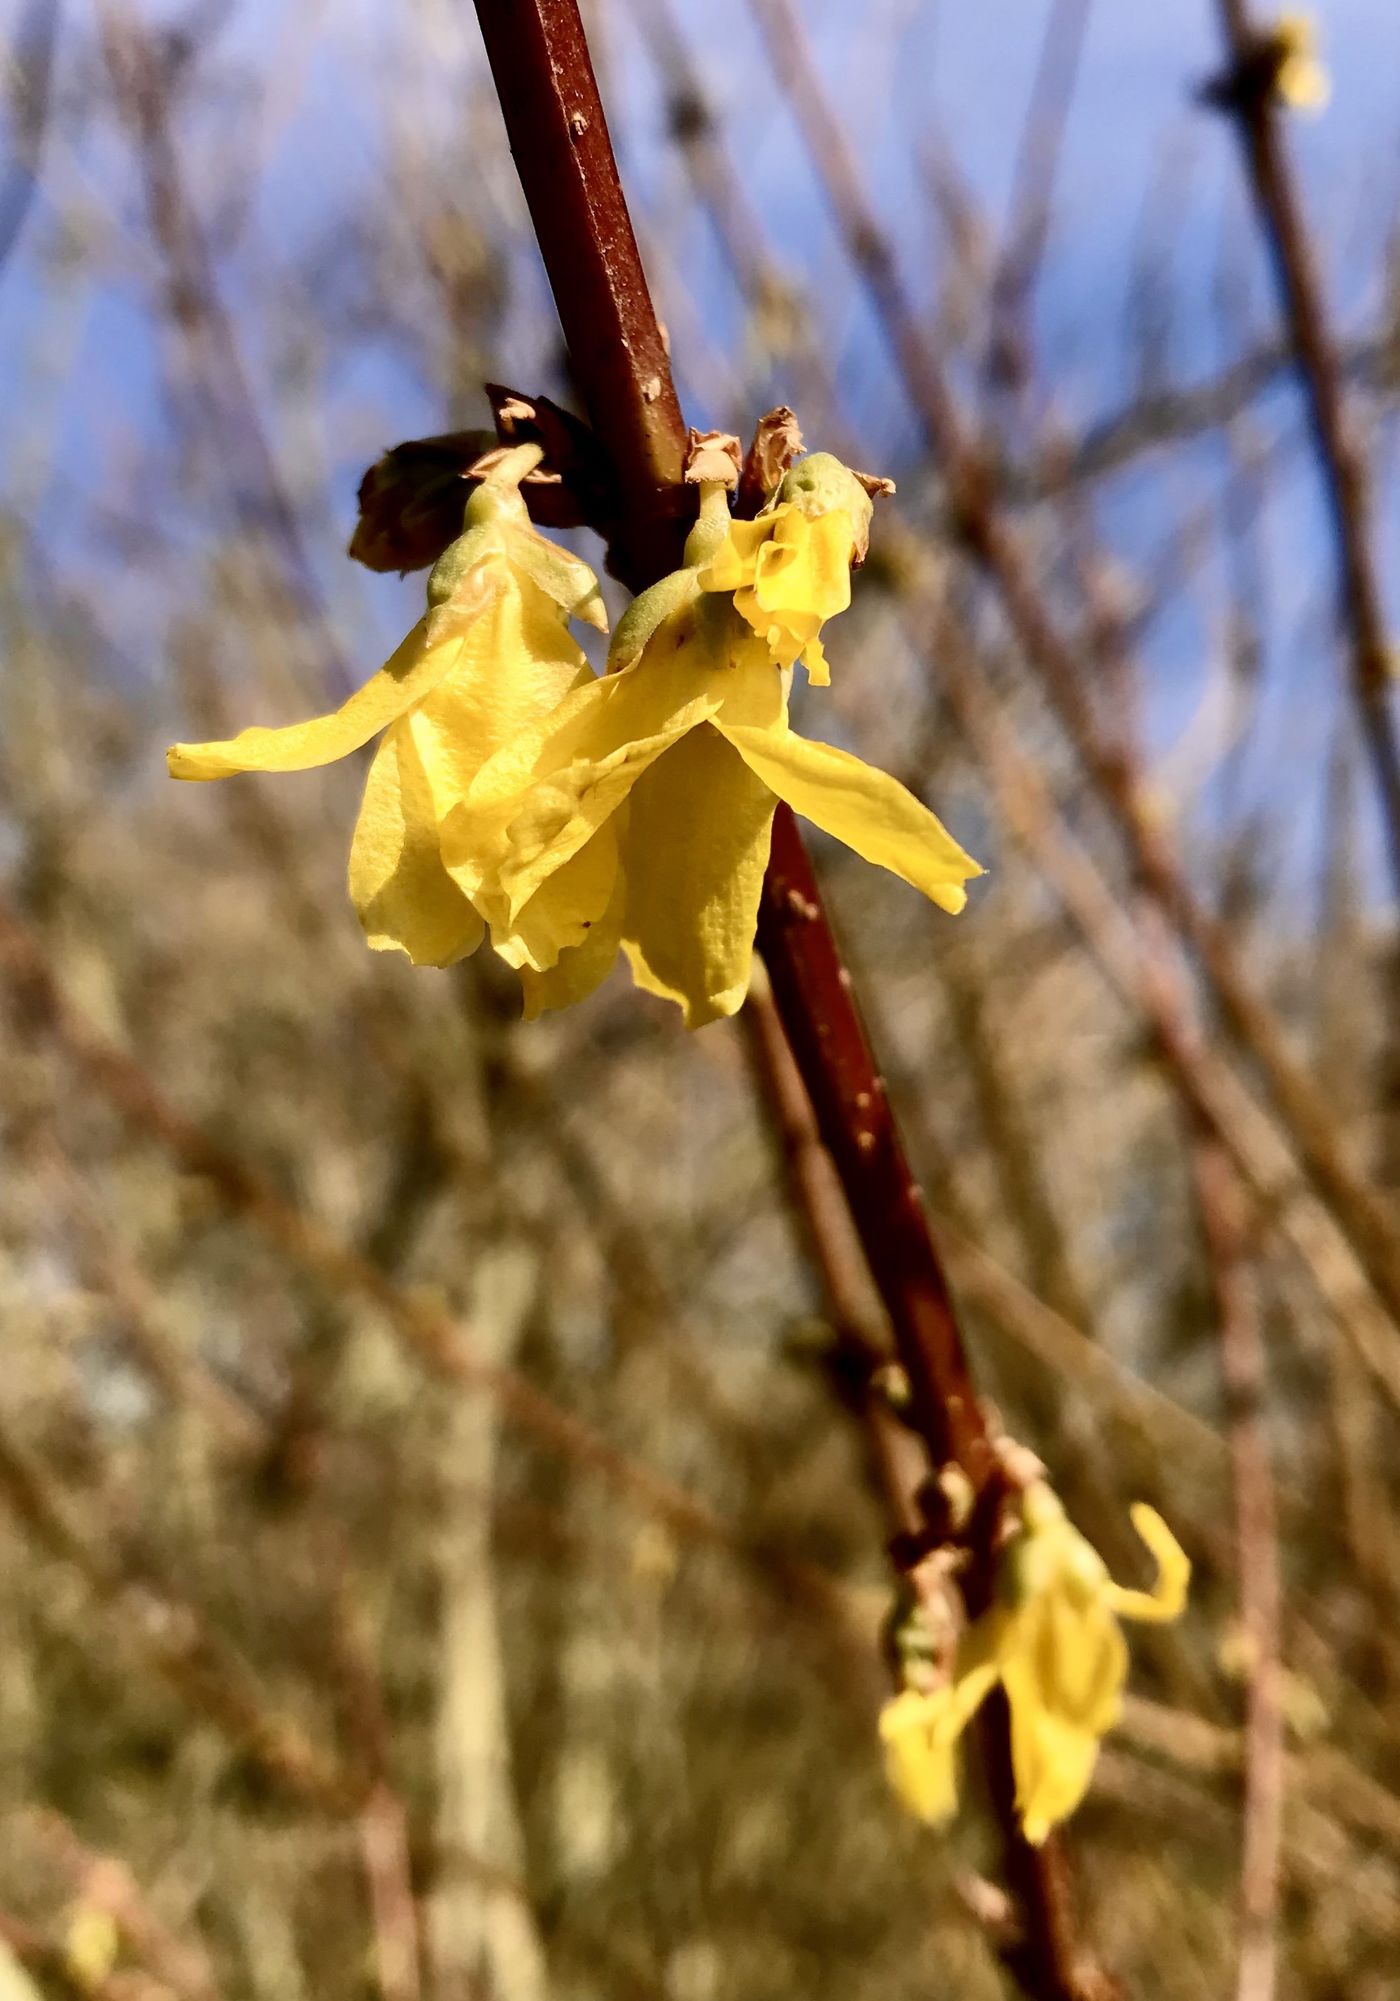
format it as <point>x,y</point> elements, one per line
<point>822,1022</point>
<point>558,136</point>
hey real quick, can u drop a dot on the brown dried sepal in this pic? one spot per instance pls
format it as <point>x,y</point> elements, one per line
<point>777,441</point>
<point>712,459</point>
<point>574,463</point>
<point>877,487</point>
<point>412,500</point>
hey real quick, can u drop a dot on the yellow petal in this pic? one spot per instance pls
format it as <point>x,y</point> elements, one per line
<point>545,793</point>
<point>815,661</point>
<point>559,575</point>
<point>978,1668</point>
<point>1076,1654</point>
<point>871,812</point>
<point>734,562</point>
<point>1052,1758</point>
<point>920,1757</point>
<point>564,909</point>
<point>805,571</point>
<point>578,971</point>
<point>753,692</point>
<point>1303,84</point>
<point>517,664</point>
<point>1167,1599</point>
<point>695,852</point>
<point>406,900</point>
<point>788,584</point>
<point>411,673</point>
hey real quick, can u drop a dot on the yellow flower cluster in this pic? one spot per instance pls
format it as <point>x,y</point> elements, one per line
<point>577,815</point>
<point>1054,1642</point>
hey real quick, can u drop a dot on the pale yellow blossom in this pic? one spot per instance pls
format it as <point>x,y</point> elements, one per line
<point>491,654</point>
<point>1054,1641</point>
<point>643,805</point>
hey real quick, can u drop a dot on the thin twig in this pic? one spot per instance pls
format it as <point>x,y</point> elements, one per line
<point>1340,459</point>
<point>1224,1232</point>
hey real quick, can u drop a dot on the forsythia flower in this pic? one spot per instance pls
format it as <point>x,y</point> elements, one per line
<point>1054,1642</point>
<point>1300,80</point>
<point>790,570</point>
<point>491,655</point>
<point>642,807</point>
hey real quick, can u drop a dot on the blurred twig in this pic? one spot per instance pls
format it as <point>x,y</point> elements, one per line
<point>1223,1229</point>
<point>428,1331</point>
<point>1257,114</point>
<point>1207,1085</point>
<point>147,70</point>
<point>972,496</point>
<point>30,90</point>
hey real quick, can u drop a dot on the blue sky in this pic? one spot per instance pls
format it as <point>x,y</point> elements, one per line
<point>338,78</point>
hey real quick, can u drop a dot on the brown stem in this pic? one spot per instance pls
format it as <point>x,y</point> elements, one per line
<point>559,139</point>
<point>539,59</point>
<point>1340,460</point>
<point>817,1005</point>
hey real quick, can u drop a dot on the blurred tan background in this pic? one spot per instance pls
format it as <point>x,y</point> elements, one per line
<point>442,1553</point>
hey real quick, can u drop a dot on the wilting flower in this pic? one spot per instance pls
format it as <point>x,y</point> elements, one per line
<point>1300,79</point>
<point>790,570</point>
<point>1054,1642</point>
<point>642,807</point>
<point>490,656</point>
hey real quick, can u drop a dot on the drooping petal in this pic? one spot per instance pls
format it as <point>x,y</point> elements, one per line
<point>1076,1653</point>
<point>412,672</point>
<point>517,665</point>
<point>579,971</point>
<point>545,793</point>
<point>977,1668</point>
<point>406,900</point>
<point>868,810</point>
<point>1167,1599</point>
<point>1053,1759</point>
<point>921,1729</point>
<point>695,852</point>
<point>564,909</point>
<point>920,1756</point>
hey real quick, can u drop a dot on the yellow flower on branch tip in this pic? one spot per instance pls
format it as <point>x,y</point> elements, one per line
<point>1300,80</point>
<point>790,570</point>
<point>641,809</point>
<point>491,654</point>
<point>1054,1641</point>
